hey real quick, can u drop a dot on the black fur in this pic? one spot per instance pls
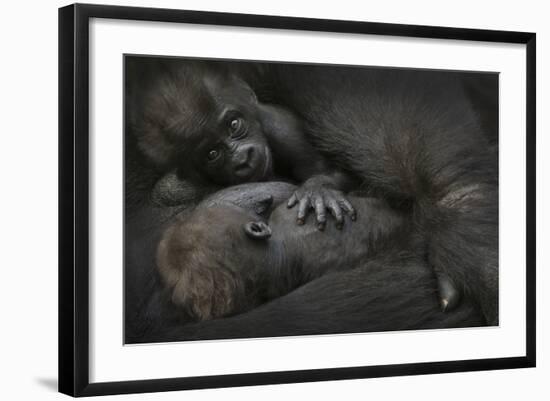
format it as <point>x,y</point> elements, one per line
<point>390,279</point>
<point>416,140</point>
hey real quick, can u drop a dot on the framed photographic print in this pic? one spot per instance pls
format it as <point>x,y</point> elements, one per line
<point>250,199</point>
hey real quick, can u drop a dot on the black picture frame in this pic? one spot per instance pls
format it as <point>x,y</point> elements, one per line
<point>74,198</point>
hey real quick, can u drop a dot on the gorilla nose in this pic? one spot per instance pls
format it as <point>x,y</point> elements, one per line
<point>242,159</point>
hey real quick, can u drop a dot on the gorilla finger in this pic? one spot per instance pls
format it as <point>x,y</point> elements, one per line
<point>320,212</point>
<point>348,208</point>
<point>302,211</point>
<point>292,201</point>
<point>336,211</point>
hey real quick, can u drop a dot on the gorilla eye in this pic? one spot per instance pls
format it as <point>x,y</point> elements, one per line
<point>236,127</point>
<point>213,154</point>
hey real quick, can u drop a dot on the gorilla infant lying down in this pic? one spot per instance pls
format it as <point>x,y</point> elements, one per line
<point>224,259</point>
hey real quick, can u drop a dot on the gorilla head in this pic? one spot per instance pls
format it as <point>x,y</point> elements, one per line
<point>212,260</point>
<point>203,119</point>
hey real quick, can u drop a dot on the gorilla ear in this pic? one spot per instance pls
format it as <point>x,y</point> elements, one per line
<point>263,205</point>
<point>257,230</point>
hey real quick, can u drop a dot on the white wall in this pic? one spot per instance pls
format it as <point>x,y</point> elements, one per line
<point>28,201</point>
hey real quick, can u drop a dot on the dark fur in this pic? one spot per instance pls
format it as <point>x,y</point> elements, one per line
<point>388,277</point>
<point>204,122</point>
<point>213,264</point>
<point>384,294</point>
<point>415,140</point>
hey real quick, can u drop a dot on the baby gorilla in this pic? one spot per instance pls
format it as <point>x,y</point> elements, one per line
<point>222,259</point>
<point>210,126</point>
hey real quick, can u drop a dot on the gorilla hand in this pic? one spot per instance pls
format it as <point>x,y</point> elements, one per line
<point>318,193</point>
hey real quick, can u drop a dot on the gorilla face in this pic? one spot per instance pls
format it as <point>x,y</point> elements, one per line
<point>234,148</point>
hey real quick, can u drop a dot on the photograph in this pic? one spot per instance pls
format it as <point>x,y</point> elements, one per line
<point>270,199</point>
